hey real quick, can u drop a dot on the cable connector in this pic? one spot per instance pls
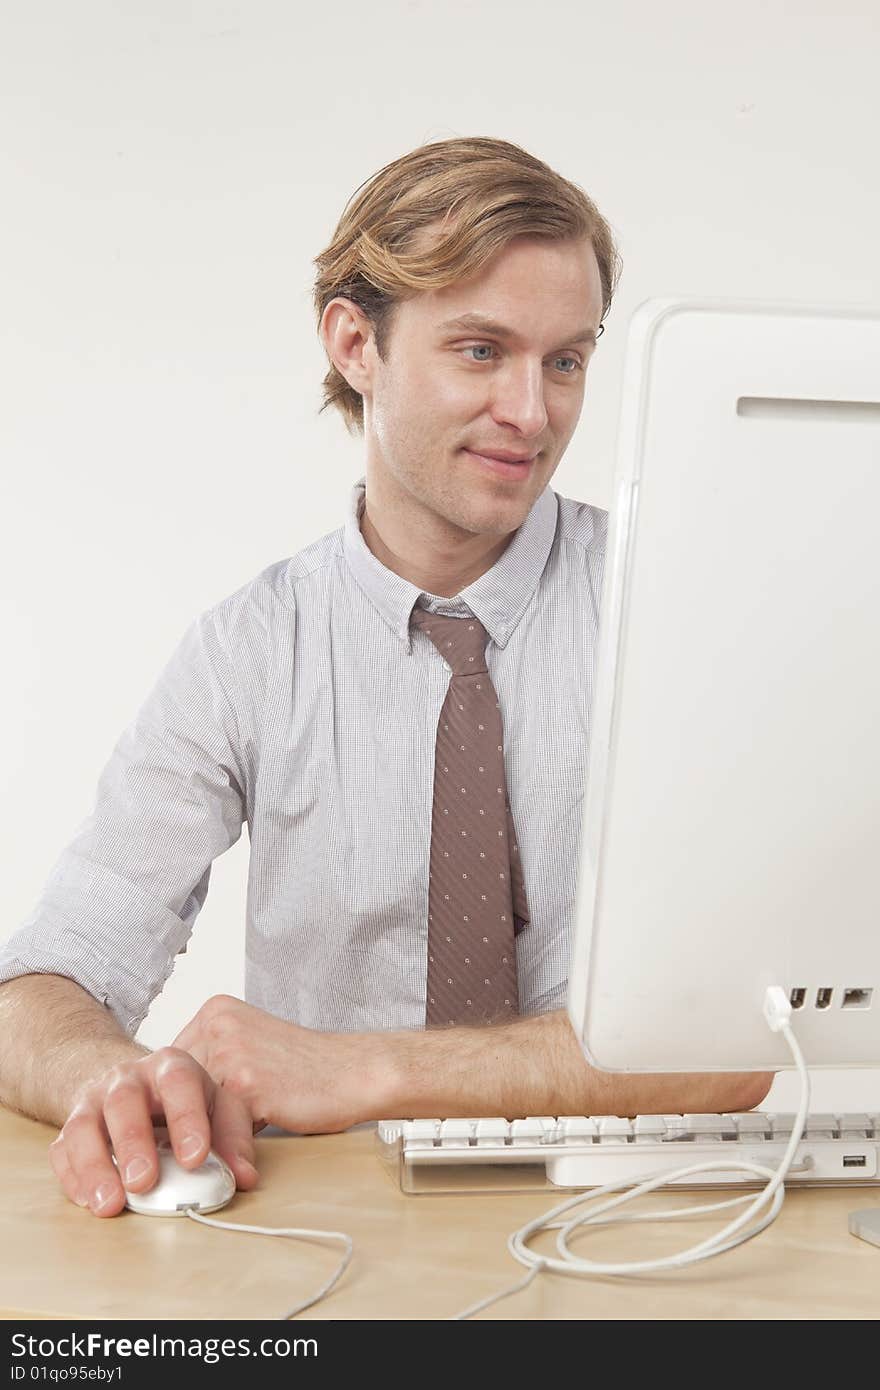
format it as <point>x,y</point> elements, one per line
<point>777,1008</point>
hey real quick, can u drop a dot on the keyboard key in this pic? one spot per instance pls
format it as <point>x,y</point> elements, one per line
<point>854,1126</point>
<point>708,1129</point>
<point>491,1133</point>
<point>576,1129</point>
<point>421,1134</point>
<point>613,1129</point>
<point>457,1134</point>
<point>675,1127</point>
<point>753,1125</point>
<point>536,1129</point>
<point>820,1126</point>
<point>781,1125</point>
<point>647,1129</point>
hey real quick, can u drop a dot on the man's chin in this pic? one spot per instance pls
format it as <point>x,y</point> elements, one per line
<point>496,519</point>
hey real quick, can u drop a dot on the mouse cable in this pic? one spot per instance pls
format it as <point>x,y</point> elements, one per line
<point>777,1012</point>
<point>301,1233</point>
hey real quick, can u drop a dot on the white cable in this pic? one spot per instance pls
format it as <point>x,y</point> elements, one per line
<point>298,1233</point>
<point>777,1011</point>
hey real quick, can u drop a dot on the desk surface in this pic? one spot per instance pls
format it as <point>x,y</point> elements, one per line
<point>414,1256</point>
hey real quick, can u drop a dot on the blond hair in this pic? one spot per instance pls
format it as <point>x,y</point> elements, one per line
<point>486,192</point>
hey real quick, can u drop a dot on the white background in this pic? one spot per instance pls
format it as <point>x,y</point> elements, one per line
<point>169,171</point>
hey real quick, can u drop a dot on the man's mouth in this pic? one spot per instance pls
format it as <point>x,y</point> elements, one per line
<point>509,467</point>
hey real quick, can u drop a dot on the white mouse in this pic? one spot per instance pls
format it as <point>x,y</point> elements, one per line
<point>206,1188</point>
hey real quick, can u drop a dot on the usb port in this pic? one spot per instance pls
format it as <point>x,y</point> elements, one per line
<point>854,1161</point>
<point>857,999</point>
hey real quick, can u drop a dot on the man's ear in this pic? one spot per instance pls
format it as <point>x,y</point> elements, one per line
<point>347,335</point>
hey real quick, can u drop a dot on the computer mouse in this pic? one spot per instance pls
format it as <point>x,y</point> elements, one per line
<point>206,1188</point>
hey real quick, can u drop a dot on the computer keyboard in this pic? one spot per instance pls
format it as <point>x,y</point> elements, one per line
<point>589,1150</point>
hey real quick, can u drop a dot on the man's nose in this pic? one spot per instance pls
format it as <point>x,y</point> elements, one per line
<point>518,399</point>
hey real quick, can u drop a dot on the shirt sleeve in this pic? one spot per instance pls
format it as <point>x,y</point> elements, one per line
<point>122,898</point>
<point>549,1002</point>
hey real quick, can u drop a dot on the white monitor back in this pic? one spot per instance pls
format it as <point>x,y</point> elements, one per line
<point>731,830</point>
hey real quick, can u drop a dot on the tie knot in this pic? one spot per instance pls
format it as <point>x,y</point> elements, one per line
<point>460,641</point>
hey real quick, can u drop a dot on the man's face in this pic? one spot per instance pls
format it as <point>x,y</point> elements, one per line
<point>448,394</point>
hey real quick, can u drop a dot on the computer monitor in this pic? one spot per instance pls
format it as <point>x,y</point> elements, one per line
<point>731,820</point>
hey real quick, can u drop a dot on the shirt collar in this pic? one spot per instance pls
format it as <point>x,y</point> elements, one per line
<point>497,599</point>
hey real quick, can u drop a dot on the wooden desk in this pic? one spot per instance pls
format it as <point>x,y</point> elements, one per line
<point>414,1256</point>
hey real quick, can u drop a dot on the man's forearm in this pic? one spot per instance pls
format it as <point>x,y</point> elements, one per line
<point>54,1037</point>
<point>535,1066</point>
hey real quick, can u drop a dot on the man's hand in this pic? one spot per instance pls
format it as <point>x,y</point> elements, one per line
<point>299,1079</point>
<point>118,1109</point>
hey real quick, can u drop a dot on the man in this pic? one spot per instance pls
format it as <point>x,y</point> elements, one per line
<point>398,962</point>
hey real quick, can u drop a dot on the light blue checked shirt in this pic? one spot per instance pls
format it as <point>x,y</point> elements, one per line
<point>304,705</point>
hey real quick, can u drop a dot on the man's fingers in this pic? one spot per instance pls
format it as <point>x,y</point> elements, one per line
<point>65,1174</point>
<point>127,1115</point>
<point>87,1152</point>
<point>234,1137</point>
<point>186,1094</point>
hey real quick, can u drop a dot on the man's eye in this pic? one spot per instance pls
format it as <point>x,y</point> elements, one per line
<point>487,347</point>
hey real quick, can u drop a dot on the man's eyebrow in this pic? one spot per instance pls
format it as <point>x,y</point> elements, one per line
<point>479,323</point>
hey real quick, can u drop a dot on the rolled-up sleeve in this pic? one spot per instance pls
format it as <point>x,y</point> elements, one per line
<point>121,900</point>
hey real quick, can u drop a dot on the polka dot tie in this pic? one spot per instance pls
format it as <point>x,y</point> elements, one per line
<point>476,894</point>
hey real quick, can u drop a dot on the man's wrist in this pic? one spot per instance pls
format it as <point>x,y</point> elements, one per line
<point>390,1071</point>
<point>495,1069</point>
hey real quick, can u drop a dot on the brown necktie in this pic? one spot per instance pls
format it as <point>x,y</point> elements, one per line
<point>476,895</point>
